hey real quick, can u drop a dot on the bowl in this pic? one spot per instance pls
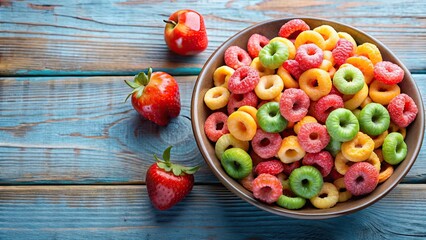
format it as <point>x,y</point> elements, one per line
<point>199,113</point>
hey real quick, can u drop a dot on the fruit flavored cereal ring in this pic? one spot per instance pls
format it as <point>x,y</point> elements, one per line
<point>355,101</point>
<point>379,154</point>
<point>293,67</point>
<point>333,146</point>
<point>215,126</point>
<point>228,141</point>
<point>361,178</point>
<point>378,140</point>
<point>243,80</point>
<point>221,76</point>
<point>329,34</point>
<point>309,56</point>
<point>367,101</point>
<point>374,160</point>
<point>237,163</point>
<point>263,71</point>
<point>344,194</point>
<point>341,164</point>
<point>310,36</point>
<point>267,188</point>
<point>290,150</point>
<point>394,149</point>
<point>291,203</point>
<point>370,51</point>
<point>316,83</point>
<point>383,93</point>
<point>292,28</point>
<point>270,119</point>
<point>348,37</point>
<point>327,197</point>
<point>328,55</point>
<point>277,99</point>
<point>269,87</point>
<point>273,55</point>
<point>238,100</point>
<point>323,161</point>
<point>294,104</point>
<point>357,149</point>
<point>266,145</point>
<point>365,65</point>
<point>216,97</point>
<point>402,110</point>
<point>313,137</point>
<point>394,128</point>
<point>325,105</point>
<point>306,119</point>
<point>348,80</point>
<point>255,43</point>
<point>328,67</point>
<point>386,170</point>
<point>289,81</point>
<point>306,181</point>
<point>247,181</point>
<point>236,57</point>
<point>343,50</point>
<point>250,110</point>
<point>388,72</point>
<point>289,44</point>
<point>242,125</point>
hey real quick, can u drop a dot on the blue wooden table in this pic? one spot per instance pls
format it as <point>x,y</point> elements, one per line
<point>73,155</point>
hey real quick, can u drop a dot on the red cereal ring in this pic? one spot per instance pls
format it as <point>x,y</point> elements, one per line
<point>255,43</point>
<point>294,104</point>
<point>238,100</point>
<point>292,28</point>
<point>343,50</point>
<point>402,110</point>
<point>215,126</point>
<point>236,57</point>
<point>265,144</point>
<point>293,67</point>
<point>325,105</point>
<point>243,80</point>
<point>309,56</point>
<point>388,73</point>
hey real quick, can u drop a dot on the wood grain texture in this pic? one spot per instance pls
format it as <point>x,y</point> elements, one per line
<point>209,212</point>
<point>42,37</point>
<point>71,130</point>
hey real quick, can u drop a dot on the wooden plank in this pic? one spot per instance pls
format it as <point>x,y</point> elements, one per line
<point>209,212</point>
<point>70,130</point>
<point>120,37</point>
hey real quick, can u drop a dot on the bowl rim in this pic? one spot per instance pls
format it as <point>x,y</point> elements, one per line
<point>197,131</point>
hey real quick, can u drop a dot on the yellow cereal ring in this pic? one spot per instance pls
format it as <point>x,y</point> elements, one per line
<point>359,148</point>
<point>216,97</point>
<point>341,163</point>
<point>316,83</point>
<point>366,101</point>
<point>289,81</point>
<point>394,128</point>
<point>328,55</point>
<point>250,110</point>
<point>352,102</point>
<point>365,65</point>
<point>269,87</point>
<point>348,37</point>
<point>228,141</point>
<point>383,93</point>
<point>289,44</point>
<point>255,63</point>
<point>385,171</point>
<point>305,119</point>
<point>331,196</point>
<point>221,76</point>
<point>344,194</point>
<point>328,67</point>
<point>379,139</point>
<point>329,34</point>
<point>374,160</point>
<point>290,150</point>
<point>310,36</point>
<point>370,51</point>
<point>242,125</point>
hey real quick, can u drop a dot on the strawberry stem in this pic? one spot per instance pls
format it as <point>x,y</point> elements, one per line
<point>139,82</point>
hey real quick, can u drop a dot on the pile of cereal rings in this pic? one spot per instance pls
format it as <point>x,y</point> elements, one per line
<point>308,117</point>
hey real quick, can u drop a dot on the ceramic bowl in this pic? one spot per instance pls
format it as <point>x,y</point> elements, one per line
<point>199,113</point>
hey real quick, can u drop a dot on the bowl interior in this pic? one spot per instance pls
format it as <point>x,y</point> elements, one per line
<point>199,112</point>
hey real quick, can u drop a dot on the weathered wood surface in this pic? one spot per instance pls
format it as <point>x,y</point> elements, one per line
<point>120,37</point>
<point>209,212</point>
<point>79,131</point>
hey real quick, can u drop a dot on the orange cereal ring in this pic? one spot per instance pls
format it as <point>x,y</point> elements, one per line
<point>250,110</point>
<point>359,148</point>
<point>341,164</point>
<point>328,55</point>
<point>289,81</point>
<point>242,126</point>
<point>290,150</point>
<point>379,139</point>
<point>348,37</point>
<point>352,102</point>
<point>374,160</point>
<point>344,194</point>
<point>386,171</point>
<point>329,34</point>
<point>221,76</point>
<point>310,36</point>
<point>263,71</point>
<point>394,128</point>
<point>366,101</point>
<point>290,46</point>
<point>383,93</point>
<point>269,87</point>
<point>370,51</point>
<point>216,97</point>
<point>365,65</point>
<point>316,83</point>
<point>328,67</point>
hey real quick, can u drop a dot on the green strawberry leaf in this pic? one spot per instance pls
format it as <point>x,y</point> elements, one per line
<point>166,154</point>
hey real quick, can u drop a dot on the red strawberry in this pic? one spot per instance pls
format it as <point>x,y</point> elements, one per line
<point>272,167</point>
<point>155,96</point>
<point>168,183</point>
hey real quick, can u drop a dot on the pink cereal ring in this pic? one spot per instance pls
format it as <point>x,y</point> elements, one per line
<point>309,56</point>
<point>238,100</point>
<point>294,104</point>
<point>388,73</point>
<point>243,80</point>
<point>325,105</point>
<point>236,57</point>
<point>313,137</point>
<point>265,144</point>
<point>402,110</point>
<point>292,28</point>
<point>255,43</point>
<point>215,126</point>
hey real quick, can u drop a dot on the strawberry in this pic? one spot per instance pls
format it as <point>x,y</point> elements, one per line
<point>272,167</point>
<point>155,96</point>
<point>168,183</point>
